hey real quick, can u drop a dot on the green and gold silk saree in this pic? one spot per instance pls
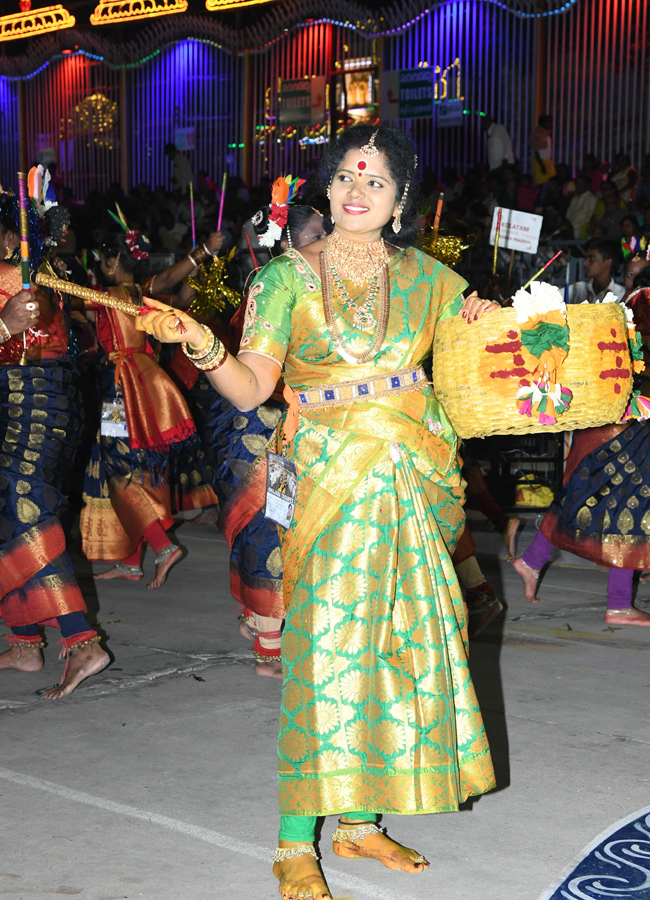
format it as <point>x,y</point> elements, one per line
<point>378,708</point>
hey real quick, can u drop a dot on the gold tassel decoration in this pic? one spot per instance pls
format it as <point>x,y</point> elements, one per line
<point>446,248</point>
<point>211,291</point>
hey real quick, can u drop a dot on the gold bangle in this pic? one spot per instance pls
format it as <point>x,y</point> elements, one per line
<point>204,342</point>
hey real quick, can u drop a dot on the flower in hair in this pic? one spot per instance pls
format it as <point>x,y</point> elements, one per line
<point>131,241</point>
<point>131,235</point>
<point>283,192</point>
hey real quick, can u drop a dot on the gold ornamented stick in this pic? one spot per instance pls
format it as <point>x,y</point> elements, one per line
<point>86,293</point>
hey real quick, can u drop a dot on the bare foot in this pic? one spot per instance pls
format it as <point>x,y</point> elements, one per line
<point>530,578</point>
<point>629,616</point>
<point>510,537</point>
<point>162,568</point>
<point>300,877</point>
<point>205,517</point>
<point>22,657</point>
<point>271,668</point>
<point>115,572</point>
<point>247,631</point>
<point>380,846</point>
<point>84,661</point>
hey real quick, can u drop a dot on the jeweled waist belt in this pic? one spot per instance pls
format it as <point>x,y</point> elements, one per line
<point>412,379</point>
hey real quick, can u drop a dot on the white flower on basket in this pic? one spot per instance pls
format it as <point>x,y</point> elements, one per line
<point>542,299</point>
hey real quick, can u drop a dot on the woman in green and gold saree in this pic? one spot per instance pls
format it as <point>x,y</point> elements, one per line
<point>379,714</point>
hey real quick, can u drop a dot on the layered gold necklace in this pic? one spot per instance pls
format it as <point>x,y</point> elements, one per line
<point>361,263</point>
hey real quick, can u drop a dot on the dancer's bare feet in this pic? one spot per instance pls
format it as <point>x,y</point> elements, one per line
<point>300,876</point>
<point>510,537</point>
<point>22,657</point>
<point>530,578</point>
<point>163,567</point>
<point>129,573</point>
<point>378,846</point>
<point>272,668</point>
<point>84,662</point>
<point>629,616</point>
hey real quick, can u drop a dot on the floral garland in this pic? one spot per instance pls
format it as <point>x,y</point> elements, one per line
<point>541,316</point>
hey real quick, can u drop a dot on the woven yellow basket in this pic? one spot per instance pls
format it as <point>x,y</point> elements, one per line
<point>478,368</point>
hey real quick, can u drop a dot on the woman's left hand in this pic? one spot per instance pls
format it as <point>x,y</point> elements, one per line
<point>474,307</point>
<point>170,326</point>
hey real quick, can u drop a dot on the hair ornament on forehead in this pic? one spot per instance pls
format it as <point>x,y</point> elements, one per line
<point>369,149</point>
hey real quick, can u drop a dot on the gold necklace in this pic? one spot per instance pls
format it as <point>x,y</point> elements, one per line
<point>357,260</point>
<point>330,318</point>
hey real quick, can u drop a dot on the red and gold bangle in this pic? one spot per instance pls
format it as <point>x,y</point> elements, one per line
<point>5,334</point>
<point>198,255</point>
<point>210,355</point>
<point>212,360</point>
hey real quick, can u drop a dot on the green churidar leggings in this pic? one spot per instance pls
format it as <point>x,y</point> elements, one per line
<point>303,828</point>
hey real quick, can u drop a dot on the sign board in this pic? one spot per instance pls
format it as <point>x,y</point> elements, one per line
<point>408,94</point>
<point>416,93</point>
<point>449,113</point>
<point>519,230</point>
<point>302,102</point>
<point>184,138</point>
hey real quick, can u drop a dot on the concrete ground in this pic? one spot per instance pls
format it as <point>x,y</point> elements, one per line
<point>156,778</point>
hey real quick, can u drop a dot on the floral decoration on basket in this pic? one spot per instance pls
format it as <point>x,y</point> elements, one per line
<point>639,406</point>
<point>541,316</point>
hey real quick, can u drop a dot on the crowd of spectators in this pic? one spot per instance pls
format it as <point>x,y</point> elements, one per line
<point>601,200</point>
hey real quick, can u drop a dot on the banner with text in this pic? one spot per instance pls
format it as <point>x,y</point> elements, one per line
<point>519,230</point>
<point>302,102</point>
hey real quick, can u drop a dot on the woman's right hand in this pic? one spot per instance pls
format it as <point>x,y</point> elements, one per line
<point>15,314</point>
<point>215,242</point>
<point>170,326</point>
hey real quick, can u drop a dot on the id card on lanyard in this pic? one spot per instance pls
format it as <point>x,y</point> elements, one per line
<point>113,420</point>
<point>281,489</point>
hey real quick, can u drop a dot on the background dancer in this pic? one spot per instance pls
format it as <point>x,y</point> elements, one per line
<point>603,510</point>
<point>127,492</point>
<point>40,423</point>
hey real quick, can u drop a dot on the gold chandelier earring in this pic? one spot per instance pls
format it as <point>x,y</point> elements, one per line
<point>113,268</point>
<point>329,197</point>
<point>397,221</point>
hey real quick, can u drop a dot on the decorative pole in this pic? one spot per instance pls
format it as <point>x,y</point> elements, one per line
<point>24,251</point>
<point>221,202</point>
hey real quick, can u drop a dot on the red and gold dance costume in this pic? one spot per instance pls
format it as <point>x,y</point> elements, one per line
<point>133,485</point>
<point>40,424</point>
